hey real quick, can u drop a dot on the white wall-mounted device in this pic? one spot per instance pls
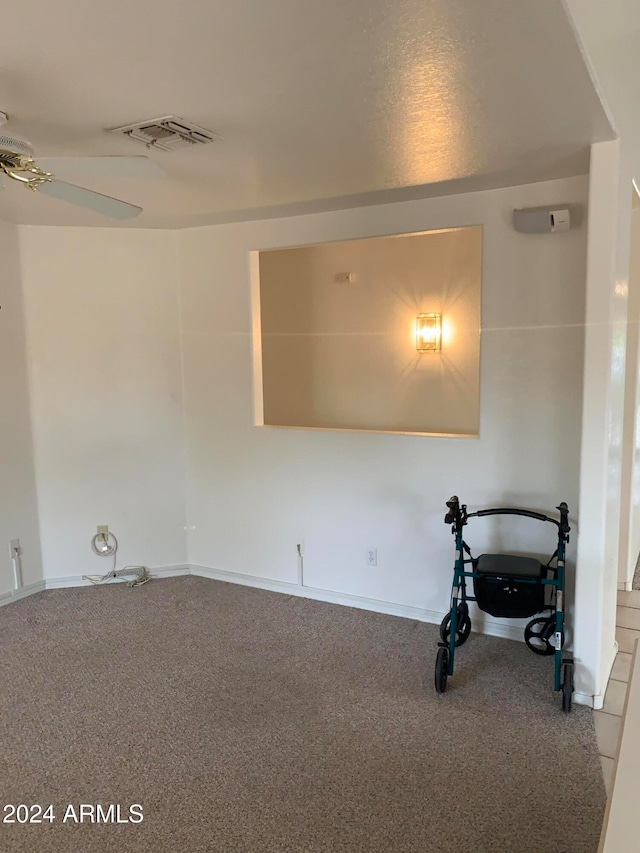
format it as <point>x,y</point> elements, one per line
<point>542,220</point>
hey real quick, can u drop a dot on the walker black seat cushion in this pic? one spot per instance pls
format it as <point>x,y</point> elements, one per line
<point>510,586</point>
<point>506,564</point>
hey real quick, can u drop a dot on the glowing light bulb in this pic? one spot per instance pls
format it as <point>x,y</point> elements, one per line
<point>428,332</point>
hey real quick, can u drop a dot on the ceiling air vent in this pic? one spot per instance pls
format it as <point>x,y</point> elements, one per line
<point>167,133</point>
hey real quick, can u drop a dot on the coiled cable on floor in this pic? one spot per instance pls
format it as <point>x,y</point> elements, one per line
<point>106,545</point>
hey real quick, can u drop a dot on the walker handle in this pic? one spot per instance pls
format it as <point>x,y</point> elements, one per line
<point>507,510</point>
<point>563,509</point>
<point>453,506</point>
<point>562,525</point>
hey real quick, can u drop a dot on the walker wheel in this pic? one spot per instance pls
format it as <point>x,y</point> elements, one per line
<point>567,686</point>
<point>442,669</point>
<point>537,636</point>
<point>463,626</point>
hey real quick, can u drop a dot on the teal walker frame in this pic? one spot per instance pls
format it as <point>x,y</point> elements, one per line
<point>512,586</point>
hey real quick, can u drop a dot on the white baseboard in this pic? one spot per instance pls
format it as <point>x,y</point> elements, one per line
<point>625,586</point>
<point>22,592</point>
<point>482,626</point>
<point>171,571</point>
<point>598,699</point>
<point>346,599</point>
<point>79,580</point>
<point>583,699</point>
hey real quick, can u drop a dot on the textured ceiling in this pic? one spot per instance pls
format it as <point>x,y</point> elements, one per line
<point>319,105</point>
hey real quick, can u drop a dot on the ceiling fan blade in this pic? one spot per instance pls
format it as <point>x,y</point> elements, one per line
<point>104,204</point>
<point>112,167</point>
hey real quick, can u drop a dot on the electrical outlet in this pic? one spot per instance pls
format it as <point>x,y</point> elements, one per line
<point>372,556</point>
<point>14,548</point>
<point>103,528</point>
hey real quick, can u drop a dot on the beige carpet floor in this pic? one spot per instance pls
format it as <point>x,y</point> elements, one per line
<point>248,721</point>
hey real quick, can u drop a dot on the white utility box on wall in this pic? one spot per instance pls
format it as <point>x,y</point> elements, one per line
<point>542,220</point>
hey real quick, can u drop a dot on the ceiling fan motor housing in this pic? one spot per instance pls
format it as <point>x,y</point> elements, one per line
<point>12,150</point>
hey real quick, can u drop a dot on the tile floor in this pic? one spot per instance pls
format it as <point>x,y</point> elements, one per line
<point>608,720</point>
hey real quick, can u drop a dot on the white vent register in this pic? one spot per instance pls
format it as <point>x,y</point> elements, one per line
<point>167,133</point>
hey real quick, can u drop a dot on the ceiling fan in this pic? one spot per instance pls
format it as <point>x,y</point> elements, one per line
<point>18,162</point>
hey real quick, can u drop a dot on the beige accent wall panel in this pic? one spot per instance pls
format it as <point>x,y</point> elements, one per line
<point>342,354</point>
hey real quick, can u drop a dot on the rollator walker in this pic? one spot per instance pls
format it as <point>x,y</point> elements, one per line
<point>508,586</point>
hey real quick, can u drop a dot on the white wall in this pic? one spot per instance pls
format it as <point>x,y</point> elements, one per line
<point>102,311</point>
<point>610,44</point>
<point>599,519</point>
<point>254,493</point>
<point>18,505</point>
<point>630,487</point>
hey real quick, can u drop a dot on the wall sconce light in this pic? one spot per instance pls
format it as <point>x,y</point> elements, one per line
<point>428,332</point>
